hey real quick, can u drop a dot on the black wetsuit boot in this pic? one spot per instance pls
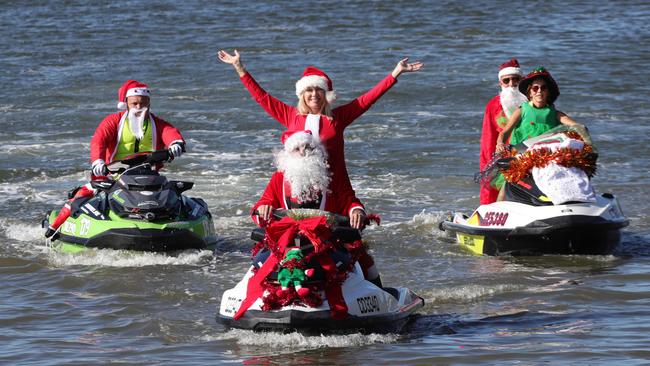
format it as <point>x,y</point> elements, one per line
<point>376,282</point>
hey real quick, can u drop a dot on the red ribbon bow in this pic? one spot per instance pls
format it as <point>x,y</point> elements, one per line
<point>283,233</point>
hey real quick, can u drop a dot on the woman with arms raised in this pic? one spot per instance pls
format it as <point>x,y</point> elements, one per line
<point>314,111</point>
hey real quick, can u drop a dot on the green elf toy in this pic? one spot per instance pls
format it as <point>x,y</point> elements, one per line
<point>294,276</point>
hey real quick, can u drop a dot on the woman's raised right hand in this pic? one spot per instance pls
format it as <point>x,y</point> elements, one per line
<point>234,60</point>
<point>228,58</point>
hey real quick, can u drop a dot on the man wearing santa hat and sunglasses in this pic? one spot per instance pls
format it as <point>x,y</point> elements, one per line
<point>135,129</point>
<point>496,115</point>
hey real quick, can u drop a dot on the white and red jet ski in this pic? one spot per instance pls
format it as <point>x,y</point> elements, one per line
<point>369,308</point>
<point>563,215</point>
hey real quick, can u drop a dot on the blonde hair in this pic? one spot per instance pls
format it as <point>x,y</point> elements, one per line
<point>326,110</point>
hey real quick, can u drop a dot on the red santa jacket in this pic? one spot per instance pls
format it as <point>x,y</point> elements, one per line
<point>107,136</point>
<point>330,131</point>
<point>494,119</point>
<point>339,200</point>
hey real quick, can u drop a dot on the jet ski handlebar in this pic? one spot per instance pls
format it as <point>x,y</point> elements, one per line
<point>139,159</point>
<point>340,224</point>
<point>339,220</point>
<point>504,163</point>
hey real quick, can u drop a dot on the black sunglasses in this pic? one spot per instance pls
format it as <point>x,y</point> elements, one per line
<point>514,79</point>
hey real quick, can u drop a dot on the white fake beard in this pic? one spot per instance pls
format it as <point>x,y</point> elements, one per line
<point>136,121</point>
<point>308,175</point>
<point>511,99</point>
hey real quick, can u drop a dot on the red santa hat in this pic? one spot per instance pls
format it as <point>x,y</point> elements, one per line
<point>314,77</point>
<point>297,138</point>
<point>510,67</point>
<point>129,89</point>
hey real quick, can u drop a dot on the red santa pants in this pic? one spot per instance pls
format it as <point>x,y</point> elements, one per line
<point>85,191</point>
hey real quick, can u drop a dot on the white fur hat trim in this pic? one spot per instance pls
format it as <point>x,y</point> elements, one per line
<point>509,71</point>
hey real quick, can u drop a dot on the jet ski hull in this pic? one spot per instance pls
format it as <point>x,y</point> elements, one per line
<point>318,322</point>
<point>370,309</point>
<point>136,209</point>
<point>511,228</point>
<point>84,232</point>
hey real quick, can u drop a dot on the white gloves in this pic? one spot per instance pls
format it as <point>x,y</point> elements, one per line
<point>99,168</point>
<point>176,149</point>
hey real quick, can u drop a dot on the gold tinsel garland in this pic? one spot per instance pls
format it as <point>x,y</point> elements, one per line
<point>521,166</point>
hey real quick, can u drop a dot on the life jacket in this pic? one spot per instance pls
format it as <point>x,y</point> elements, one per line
<point>128,144</point>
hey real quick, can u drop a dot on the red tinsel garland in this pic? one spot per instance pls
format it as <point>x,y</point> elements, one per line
<point>521,166</point>
<point>293,264</point>
<point>256,249</point>
<point>275,299</point>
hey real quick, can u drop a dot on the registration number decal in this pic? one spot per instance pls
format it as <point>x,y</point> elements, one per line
<point>232,305</point>
<point>494,219</point>
<point>69,227</point>
<point>85,226</point>
<point>368,304</point>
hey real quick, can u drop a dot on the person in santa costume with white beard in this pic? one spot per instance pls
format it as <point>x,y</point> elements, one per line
<point>303,180</point>
<point>133,130</point>
<point>121,134</point>
<point>496,115</point>
<point>314,111</point>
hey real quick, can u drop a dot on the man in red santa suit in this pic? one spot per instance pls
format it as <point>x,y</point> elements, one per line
<point>496,115</point>
<point>135,129</point>
<point>304,180</point>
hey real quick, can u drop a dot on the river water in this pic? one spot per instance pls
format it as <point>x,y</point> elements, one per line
<point>411,159</point>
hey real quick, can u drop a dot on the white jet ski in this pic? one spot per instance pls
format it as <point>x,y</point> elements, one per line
<point>369,308</point>
<point>565,217</point>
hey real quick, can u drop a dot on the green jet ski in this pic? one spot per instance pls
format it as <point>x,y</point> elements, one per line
<point>138,210</point>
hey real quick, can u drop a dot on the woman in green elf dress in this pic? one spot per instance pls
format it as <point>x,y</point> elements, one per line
<point>538,115</point>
